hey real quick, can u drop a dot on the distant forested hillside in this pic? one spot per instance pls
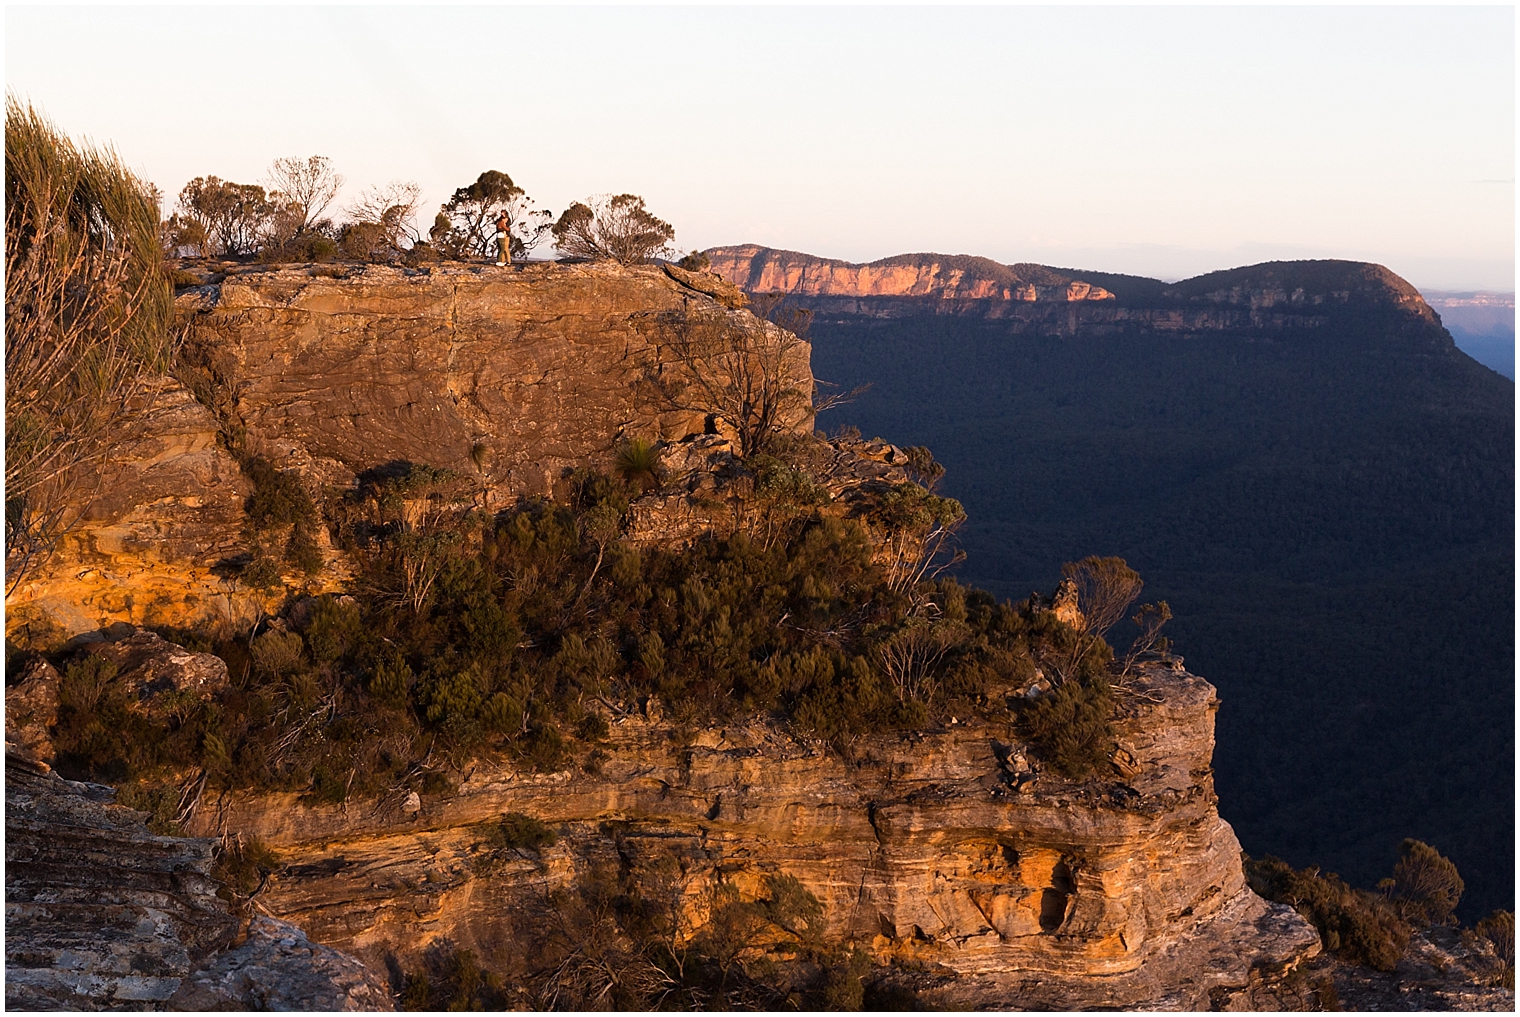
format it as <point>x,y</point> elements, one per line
<point>1329,511</point>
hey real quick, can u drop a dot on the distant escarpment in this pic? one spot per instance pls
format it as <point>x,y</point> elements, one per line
<point>1043,300</point>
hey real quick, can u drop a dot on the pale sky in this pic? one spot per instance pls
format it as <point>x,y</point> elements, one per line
<point>1158,141</point>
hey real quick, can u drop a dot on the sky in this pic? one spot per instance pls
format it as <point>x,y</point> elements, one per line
<point>1157,141</point>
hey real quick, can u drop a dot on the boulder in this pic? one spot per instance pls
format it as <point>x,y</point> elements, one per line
<point>160,674</point>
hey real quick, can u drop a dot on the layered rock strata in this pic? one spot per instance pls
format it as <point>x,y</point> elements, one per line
<point>513,375</point>
<point>152,527</point>
<point>944,848</point>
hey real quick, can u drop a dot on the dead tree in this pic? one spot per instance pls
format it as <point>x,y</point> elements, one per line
<point>750,373</point>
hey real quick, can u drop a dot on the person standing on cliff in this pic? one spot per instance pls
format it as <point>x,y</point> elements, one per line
<point>503,240</point>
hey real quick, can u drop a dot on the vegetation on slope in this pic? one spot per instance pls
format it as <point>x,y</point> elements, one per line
<point>1373,928</point>
<point>617,940</point>
<point>525,632</point>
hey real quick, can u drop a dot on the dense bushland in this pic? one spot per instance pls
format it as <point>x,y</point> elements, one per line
<point>526,632</point>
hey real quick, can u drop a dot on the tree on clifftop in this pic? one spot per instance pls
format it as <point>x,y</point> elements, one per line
<point>305,187</point>
<point>617,228</point>
<point>231,218</point>
<point>466,224</point>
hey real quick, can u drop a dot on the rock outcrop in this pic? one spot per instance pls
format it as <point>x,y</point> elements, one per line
<point>153,526</point>
<point>100,914</point>
<point>277,968</point>
<point>508,377</point>
<point>944,849</point>
<point>511,375</point>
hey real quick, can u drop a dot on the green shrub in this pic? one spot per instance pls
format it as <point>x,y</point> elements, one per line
<point>278,654</point>
<point>1072,726</point>
<point>1355,925</point>
<point>278,499</point>
<point>242,865</point>
<point>518,832</point>
<point>303,552</point>
<point>391,681</point>
<point>637,462</point>
<point>451,979</point>
<point>333,629</point>
<point>1499,929</point>
<point>262,573</point>
<point>159,801</point>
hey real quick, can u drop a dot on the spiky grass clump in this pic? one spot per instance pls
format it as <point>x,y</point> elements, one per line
<point>87,310</point>
<point>637,461</point>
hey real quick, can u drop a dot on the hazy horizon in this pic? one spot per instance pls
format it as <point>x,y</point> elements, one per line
<point>1161,142</point>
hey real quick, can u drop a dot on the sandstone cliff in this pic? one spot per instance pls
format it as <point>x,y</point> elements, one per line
<point>507,377</point>
<point>945,850</point>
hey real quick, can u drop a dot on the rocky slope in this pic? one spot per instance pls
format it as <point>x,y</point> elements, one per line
<point>101,914</point>
<point>945,850</point>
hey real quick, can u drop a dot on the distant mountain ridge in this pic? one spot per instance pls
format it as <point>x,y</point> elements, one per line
<point>1277,293</point>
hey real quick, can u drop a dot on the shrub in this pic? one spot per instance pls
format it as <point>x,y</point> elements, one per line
<point>1355,925</point>
<point>278,654</point>
<point>333,629</point>
<point>242,865</point>
<point>518,832</point>
<point>1499,929</point>
<point>1072,726</point>
<point>278,498</point>
<point>617,228</point>
<point>262,573</point>
<point>451,980</point>
<point>1425,887</point>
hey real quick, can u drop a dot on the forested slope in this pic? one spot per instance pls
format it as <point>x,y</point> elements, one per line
<point>1328,510</point>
